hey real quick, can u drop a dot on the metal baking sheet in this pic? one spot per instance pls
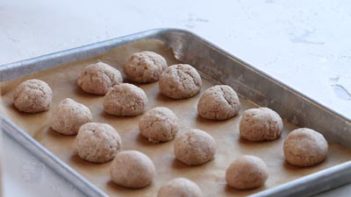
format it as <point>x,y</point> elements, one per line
<point>219,67</point>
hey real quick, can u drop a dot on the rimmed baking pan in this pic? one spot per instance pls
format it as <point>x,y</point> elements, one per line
<point>255,88</point>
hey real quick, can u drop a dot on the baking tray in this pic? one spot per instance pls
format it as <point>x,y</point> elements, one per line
<point>223,68</point>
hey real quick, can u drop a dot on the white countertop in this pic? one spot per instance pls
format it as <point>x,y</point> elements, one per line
<point>304,44</point>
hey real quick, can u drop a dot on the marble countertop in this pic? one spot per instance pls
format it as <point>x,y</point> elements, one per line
<point>304,44</point>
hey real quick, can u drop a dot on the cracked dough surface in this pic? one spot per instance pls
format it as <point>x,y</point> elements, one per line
<point>159,124</point>
<point>260,124</point>
<point>219,102</point>
<point>32,96</point>
<point>98,78</point>
<point>125,100</point>
<point>144,67</point>
<point>180,81</point>
<point>194,147</point>
<point>69,116</point>
<point>97,142</point>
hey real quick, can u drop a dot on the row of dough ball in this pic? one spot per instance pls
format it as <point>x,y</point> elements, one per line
<point>133,169</point>
<point>257,124</point>
<point>246,172</point>
<point>123,99</point>
<point>218,102</point>
<point>176,81</point>
<point>303,147</point>
<point>141,67</point>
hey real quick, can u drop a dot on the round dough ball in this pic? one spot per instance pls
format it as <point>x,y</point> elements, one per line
<point>69,116</point>
<point>144,67</point>
<point>305,147</point>
<point>159,124</point>
<point>132,169</point>
<point>219,102</point>
<point>98,78</point>
<point>97,142</point>
<point>194,147</point>
<point>246,172</point>
<point>180,81</point>
<point>125,100</point>
<point>260,124</point>
<point>180,187</point>
<point>32,96</point>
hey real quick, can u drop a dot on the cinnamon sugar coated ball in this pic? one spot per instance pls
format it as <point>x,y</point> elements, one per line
<point>246,172</point>
<point>68,116</point>
<point>260,124</point>
<point>98,78</point>
<point>305,147</point>
<point>125,100</point>
<point>97,142</point>
<point>159,124</point>
<point>144,67</point>
<point>180,187</point>
<point>180,81</point>
<point>132,169</point>
<point>194,147</point>
<point>32,96</point>
<point>219,102</point>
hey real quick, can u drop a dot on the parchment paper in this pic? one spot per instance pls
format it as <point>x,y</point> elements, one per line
<point>210,176</point>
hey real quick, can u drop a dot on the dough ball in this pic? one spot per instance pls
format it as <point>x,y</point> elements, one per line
<point>69,116</point>
<point>132,169</point>
<point>145,67</point>
<point>159,124</point>
<point>125,100</point>
<point>246,172</point>
<point>194,147</point>
<point>180,187</point>
<point>32,96</point>
<point>97,142</point>
<point>98,78</point>
<point>260,124</point>
<point>305,147</point>
<point>219,102</point>
<point>180,81</point>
